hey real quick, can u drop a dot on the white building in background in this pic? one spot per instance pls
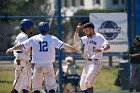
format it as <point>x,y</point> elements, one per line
<point>94,4</point>
<point>74,5</point>
<point>104,4</point>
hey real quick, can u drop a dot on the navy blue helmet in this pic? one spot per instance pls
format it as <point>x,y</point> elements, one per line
<point>43,27</point>
<point>26,24</point>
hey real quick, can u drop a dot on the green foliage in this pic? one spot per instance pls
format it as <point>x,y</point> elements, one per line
<point>4,6</point>
<point>24,7</point>
<point>83,12</point>
<point>86,12</point>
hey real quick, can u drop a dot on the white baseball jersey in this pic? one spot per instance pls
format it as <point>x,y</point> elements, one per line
<point>25,53</point>
<point>92,67</point>
<point>90,43</point>
<point>43,48</point>
<point>24,81</point>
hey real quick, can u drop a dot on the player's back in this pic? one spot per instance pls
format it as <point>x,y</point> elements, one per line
<point>43,49</point>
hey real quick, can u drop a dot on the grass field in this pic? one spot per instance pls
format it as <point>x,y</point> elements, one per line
<point>6,78</point>
<point>104,81</point>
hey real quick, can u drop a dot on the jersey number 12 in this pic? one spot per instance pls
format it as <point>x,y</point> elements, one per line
<point>43,46</point>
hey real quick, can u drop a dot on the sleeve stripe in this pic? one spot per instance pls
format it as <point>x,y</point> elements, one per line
<point>81,41</point>
<point>19,51</point>
<point>23,46</point>
<point>61,45</point>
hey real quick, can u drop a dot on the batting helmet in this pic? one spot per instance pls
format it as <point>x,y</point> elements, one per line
<point>26,24</point>
<point>43,27</point>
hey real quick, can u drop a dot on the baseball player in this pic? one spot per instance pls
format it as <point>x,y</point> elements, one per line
<point>43,55</point>
<point>94,44</point>
<point>21,62</point>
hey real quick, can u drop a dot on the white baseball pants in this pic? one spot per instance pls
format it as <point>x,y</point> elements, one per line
<point>22,75</point>
<point>45,73</point>
<point>89,72</point>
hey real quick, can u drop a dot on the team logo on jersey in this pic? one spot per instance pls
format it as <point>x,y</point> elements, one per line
<point>109,29</point>
<point>92,42</point>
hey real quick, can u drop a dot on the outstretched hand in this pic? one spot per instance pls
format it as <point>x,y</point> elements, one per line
<point>9,51</point>
<point>98,50</point>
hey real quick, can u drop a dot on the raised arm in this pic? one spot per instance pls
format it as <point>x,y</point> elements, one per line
<point>76,35</point>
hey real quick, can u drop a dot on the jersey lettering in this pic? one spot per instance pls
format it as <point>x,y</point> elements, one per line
<point>43,46</point>
<point>92,42</point>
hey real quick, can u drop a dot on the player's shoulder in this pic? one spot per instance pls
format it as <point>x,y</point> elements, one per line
<point>54,37</point>
<point>99,34</point>
<point>84,37</point>
<point>35,36</point>
<point>21,35</point>
<point>47,36</point>
<point>38,35</point>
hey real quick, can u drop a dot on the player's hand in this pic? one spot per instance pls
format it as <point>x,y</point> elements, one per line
<point>99,50</point>
<point>78,51</point>
<point>9,50</point>
<point>78,28</point>
<point>85,57</point>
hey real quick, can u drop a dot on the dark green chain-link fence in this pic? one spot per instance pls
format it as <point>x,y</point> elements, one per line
<point>72,12</point>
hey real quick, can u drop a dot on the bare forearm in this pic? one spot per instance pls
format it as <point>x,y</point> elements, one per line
<point>106,48</point>
<point>76,35</point>
<point>70,48</point>
<point>76,38</point>
<point>17,47</point>
<point>134,55</point>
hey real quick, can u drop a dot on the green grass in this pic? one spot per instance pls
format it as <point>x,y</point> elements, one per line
<point>6,78</point>
<point>103,82</point>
